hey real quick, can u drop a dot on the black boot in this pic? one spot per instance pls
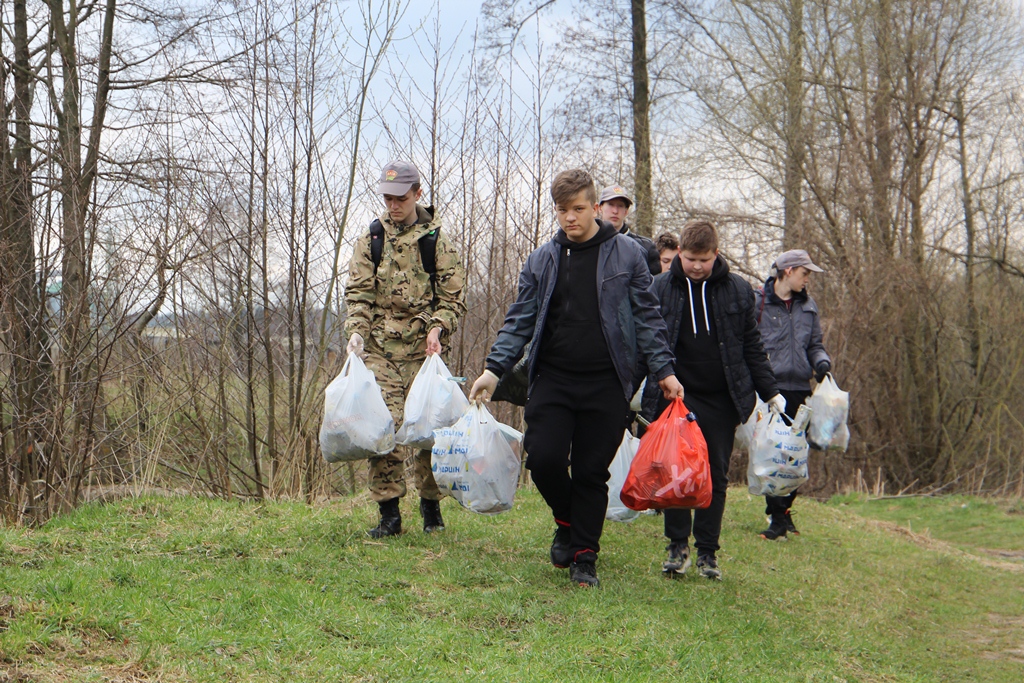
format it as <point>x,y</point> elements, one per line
<point>431,512</point>
<point>776,530</point>
<point>390,520</point>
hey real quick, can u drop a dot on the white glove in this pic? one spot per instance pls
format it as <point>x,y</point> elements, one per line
<point>777,403</point>
<point>355,345</point>
<point>485,383</point>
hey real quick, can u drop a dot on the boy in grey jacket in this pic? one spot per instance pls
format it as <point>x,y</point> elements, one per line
<point>583,300</point>
<point>788,319</point>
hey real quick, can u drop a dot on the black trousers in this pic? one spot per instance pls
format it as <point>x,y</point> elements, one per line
<point>581,415</point>
<point>777,505</point>
<point>717,419</point>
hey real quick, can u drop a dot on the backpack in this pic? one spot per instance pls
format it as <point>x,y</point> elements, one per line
<point>428,252</point>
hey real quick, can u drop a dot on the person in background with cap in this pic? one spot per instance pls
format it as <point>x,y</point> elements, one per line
<point>788,319</point>
<point>615,205</point>
<point>398,314</point>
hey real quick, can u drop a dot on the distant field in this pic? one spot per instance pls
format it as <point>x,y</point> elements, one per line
<point>181,589</point>
<point>986,527</point>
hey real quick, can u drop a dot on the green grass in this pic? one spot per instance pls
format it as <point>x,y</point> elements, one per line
<point>202,590</point>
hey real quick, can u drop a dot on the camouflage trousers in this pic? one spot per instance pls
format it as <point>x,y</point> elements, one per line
<point>387,473</point>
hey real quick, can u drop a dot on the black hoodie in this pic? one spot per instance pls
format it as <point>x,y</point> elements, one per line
<point>573,340</point>
<point>698,357</point>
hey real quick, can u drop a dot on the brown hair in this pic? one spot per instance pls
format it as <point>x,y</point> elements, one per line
<point>699,237</point>
<point>666,241</point>
<point>568,184</point>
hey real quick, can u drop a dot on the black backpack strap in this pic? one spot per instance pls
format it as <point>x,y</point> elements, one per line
<point>376,243</point>
<point>428,256</point>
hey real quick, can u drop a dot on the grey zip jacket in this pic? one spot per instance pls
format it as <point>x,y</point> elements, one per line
<point>629,314</point>
<point>792,336</point>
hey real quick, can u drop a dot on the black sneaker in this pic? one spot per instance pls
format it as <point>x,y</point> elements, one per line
<point>776,530</point>
<point>707,565</point>
<point>678,560</point>
<point>788,521</point>
<point>560,555</point>
<point>583,571</point>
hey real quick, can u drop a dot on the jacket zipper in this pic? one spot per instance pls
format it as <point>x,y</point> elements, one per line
<point>568,279</point>
<point>792,336</point>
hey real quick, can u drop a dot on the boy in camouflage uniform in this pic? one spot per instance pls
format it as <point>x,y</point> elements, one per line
<point>396,318</point>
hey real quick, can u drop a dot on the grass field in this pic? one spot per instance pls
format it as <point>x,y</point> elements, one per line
<point>198,590</point>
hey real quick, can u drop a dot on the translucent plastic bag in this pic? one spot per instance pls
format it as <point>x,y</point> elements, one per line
<point>830,408</point>
<point>778,457</point>
<point>636,404</point>
<point>671,468</point>
<point>357,423</point>
<point>474,461</point>
<point>619,469</point>
<point>434,401</point>
<point>745,431</point>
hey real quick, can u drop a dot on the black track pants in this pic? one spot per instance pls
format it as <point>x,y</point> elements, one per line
<point>581,415</point>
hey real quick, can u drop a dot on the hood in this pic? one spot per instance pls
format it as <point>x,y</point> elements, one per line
<point>425,222</point>
<point>719,271</point>
<point>771,297</point>
<point>605,232</point>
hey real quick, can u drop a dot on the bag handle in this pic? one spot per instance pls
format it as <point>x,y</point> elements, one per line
<point>346,369</point>
<point>676,410</point>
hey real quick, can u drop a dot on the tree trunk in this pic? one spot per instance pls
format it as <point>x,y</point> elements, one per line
<point>21,305</point>
<point>973,327</point>
<point>642,191</point>
<point>795,143</point>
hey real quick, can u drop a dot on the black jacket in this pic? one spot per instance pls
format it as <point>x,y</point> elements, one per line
<point>649,247</point>
<point>741,352</point>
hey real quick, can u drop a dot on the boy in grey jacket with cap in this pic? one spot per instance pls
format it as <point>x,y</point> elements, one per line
<point>788,319</point>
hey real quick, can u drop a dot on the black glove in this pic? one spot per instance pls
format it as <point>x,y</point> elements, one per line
<point>821,369</point>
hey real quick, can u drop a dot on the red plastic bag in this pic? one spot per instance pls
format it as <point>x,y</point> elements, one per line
<point>671,468</point>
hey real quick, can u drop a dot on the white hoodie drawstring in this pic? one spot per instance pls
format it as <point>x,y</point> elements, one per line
<point>704,298</point>
<point>693,317</point>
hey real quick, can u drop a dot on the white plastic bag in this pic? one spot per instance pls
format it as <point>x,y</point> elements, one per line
<point>830,408</point>
<point>474,461</point>
<point>434,401</point>
<point>778,457</point>
<point>636,404</point>
<point>617,510</point>
<point>745,431</point>
<point>357,423</point>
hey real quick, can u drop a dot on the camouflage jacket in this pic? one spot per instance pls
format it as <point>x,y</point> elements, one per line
<point>391,309</point>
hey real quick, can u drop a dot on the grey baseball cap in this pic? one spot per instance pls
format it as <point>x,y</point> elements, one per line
<point>794,258</point>
<point>614,192</point>
<point>397,178</point>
